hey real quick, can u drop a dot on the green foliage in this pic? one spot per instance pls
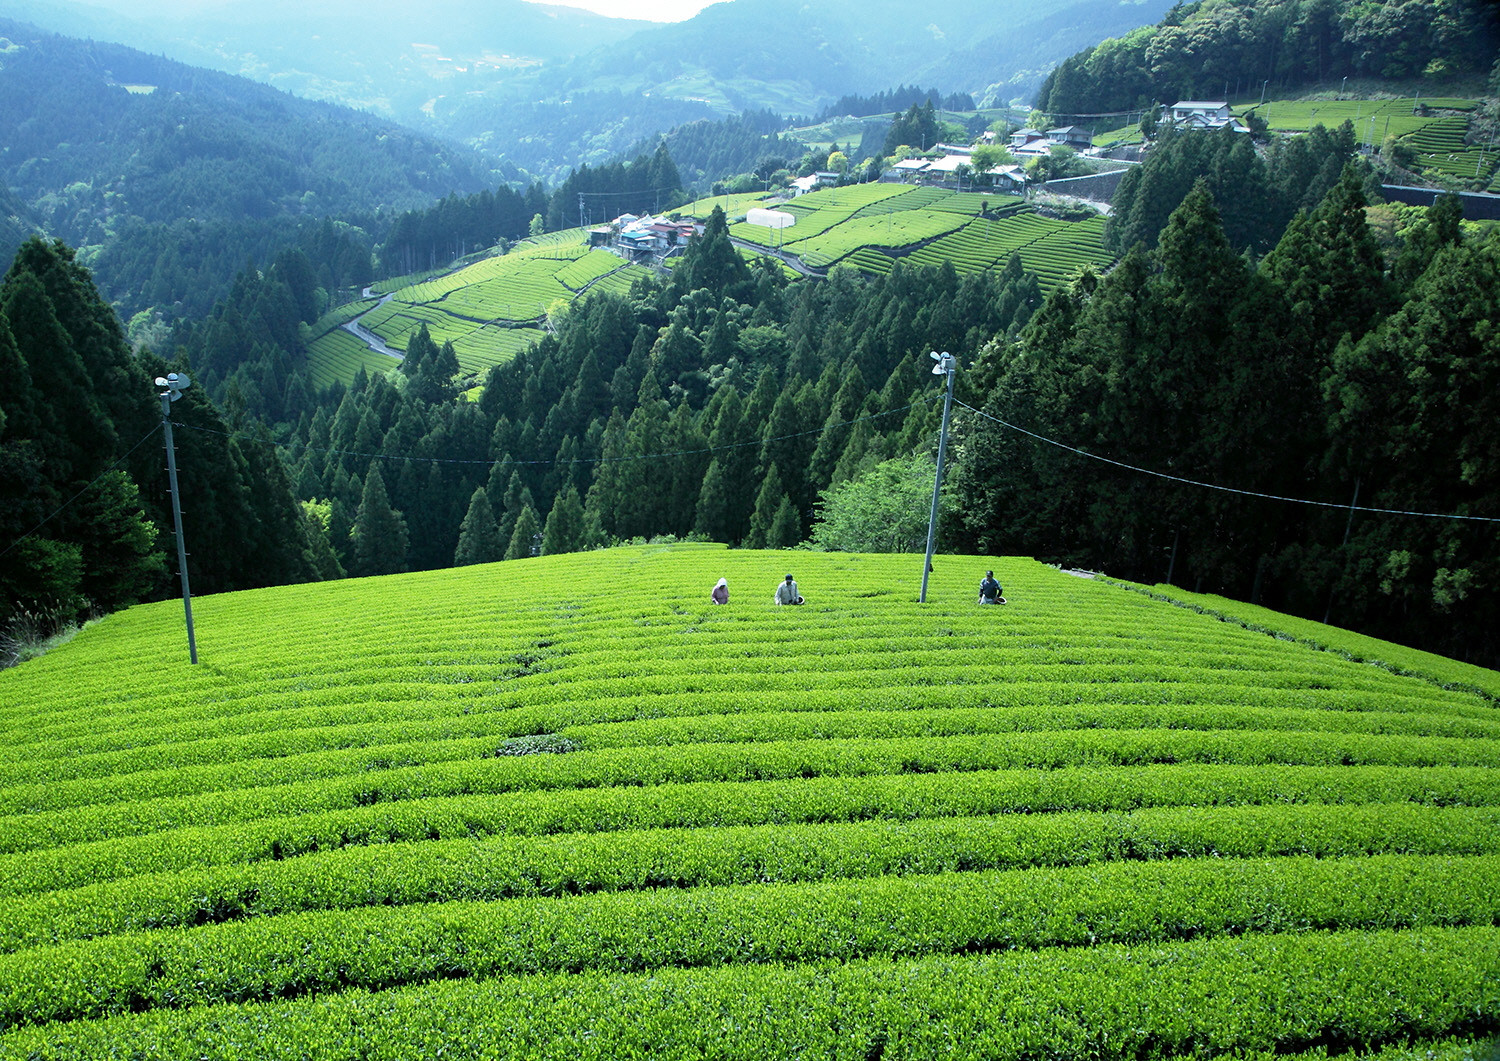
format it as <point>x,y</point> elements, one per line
<point>711,262</point>
<point>566,530</point>
<point>1196,49</point>
<point>884,510</point>
<point>479,536</point>
<point>1411,406</point>
<point>379,535</point>
<point>1257,198</point>
<point>75,407</point>
<point>500,807</point>
<point>917,127</point>
<point>524,540</point>
<point>1318,377</point>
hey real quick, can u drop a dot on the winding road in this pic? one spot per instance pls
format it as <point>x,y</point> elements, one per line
<point>369,338</point>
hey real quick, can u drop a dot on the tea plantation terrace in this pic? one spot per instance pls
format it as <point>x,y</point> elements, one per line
<point>566,808</point>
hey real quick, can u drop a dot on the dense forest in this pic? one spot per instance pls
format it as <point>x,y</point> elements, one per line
<point>83,501</point>
<point>727,402</point>
<point>1213,49</point>
<point>1258,192</point>
<point>1356,384</point>
<point>707,151</point>
<point>896,99</point>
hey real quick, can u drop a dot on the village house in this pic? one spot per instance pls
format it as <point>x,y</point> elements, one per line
<point>1076,137</point>
<point>1009,179</point>
<point>1203,114</point>
<point>1187,109</point>
<point>813,181</point>
<point>641,238</point>
<point>1029,142</point>
<point>908,169</point>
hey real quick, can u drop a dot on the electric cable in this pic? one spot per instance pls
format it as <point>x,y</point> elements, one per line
<point>1215,486</point>
<point>554,460</point>
<point>61,508</point>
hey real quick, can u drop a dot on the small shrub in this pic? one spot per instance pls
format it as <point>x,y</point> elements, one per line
<point>538,744</point>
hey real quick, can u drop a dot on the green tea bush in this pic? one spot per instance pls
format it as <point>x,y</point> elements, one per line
<point>483,813</point>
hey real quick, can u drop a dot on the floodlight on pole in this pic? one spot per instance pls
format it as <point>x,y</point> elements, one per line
<point>173,384</point>
<point>947,365</point>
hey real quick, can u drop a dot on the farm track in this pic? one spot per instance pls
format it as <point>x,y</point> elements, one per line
<point>369,338</point>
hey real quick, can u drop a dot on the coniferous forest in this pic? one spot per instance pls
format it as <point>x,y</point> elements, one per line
<point>1232,47</point>
<point>1285,391</point>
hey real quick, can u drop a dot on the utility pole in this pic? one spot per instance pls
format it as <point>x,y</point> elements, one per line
<point>947,365</point>
<point>175,383</point>
<point>1348,526</point>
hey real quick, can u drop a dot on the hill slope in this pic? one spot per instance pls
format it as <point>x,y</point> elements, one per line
<point>155,168</point>
<point>1087,822</point>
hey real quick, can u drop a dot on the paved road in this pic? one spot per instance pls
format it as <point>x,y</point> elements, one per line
<point>791,260</point>
<point>369,338</point>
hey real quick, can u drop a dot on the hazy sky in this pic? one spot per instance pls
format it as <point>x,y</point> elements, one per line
<point>654,10</point>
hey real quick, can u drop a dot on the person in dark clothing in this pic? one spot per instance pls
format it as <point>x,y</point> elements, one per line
<point>989,590</point>
<point>720,595</point>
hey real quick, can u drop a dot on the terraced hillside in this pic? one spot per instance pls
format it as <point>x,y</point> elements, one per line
<point>872,226</point>
<point>1436,128</point>
<point>565,808</point>
<point>490,310</point>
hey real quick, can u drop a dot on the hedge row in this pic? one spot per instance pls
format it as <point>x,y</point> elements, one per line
<point>219,885</point>
<point>383,947</point>
<point>1252,995</point>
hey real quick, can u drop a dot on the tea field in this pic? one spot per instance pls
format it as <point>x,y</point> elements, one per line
<point>490,310</point>
<point>1436,128</point>
<point>566,808</point>
<point>872,226</point>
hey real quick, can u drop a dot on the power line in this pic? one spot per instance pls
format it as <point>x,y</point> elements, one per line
<point>63,507</point>
<point>618,195</point>
<point>451,460</point>
<point>1225,489</point>
<point>553,460</point>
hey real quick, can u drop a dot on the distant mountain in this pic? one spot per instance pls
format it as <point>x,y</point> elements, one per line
<point>15,225</point>
<point>549,88</point>
<point>805,52</point>
<point>1010,65</point>
<point>104,145</point>
<point>392,63</point>
<point>785,56</point>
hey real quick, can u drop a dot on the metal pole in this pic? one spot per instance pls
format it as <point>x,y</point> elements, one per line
<point>946,364</point>
<point>1348,526</point>
<point>187,595</point>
